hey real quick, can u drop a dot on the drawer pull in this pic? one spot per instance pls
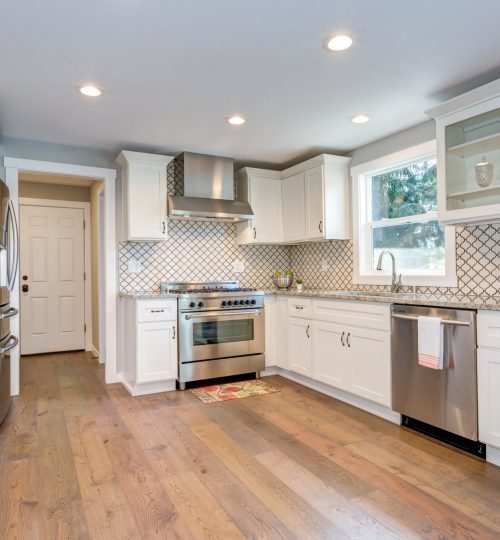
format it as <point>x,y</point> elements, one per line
<point>157,310</point>
<point>348,339</point>
<point>299,307</point>
<point>173,332</point>
<point>342,339</point>
<point>307,331</point>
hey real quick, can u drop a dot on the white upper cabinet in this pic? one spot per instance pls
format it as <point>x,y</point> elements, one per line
<point>144,192</point>
<point>468,156</point>
<point>316,200</point>
<point>262,189</point>
<point>294,211</point>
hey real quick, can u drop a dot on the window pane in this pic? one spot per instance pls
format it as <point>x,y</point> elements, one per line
<point>407,191</point>
<point>416,246</point>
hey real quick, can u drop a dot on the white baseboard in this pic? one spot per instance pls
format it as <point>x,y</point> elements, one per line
<point>95,352</point>
<point>148,388</point>
<point>356,401</point>
<point>493,455</point>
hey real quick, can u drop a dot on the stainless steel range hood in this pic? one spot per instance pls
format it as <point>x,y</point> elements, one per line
<point>208,190</point>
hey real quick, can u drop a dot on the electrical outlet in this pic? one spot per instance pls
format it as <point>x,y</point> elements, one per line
<point>238,267</point>
<point>324,265</point>
<point>134,266</point>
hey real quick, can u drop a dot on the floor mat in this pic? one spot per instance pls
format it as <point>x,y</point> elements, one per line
<point>234,390</point>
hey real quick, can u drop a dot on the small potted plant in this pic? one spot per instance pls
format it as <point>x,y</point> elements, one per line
<point>283,280</point>
<point>299,284</point>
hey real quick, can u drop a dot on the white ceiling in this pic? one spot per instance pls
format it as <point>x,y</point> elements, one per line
<point>172,71</point>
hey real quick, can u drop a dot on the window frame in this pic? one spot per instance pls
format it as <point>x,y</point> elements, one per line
<point>361,176</point>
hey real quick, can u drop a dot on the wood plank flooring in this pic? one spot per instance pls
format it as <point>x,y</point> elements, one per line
<point>80,459</point>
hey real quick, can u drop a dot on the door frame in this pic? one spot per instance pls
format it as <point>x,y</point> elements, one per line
<point>109,302</point>
<point>87,255</point>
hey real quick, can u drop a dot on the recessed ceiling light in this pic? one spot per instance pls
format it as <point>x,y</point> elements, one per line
<point>90,91</point>
<point>360,119</point>
<point>235,120</point>
<point>340,42</point>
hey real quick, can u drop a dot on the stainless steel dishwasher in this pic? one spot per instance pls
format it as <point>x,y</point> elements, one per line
<point>439,403</point>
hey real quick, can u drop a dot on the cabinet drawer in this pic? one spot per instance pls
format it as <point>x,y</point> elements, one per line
<point>488,329</point>
<point>300,307</point>
<point>156,310</point>
<point>353,313</point>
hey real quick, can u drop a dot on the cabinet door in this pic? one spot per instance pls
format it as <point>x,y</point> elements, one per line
<point>315,208</point>
<point>294,218</point>
<point>299,346</point>
<point>265,195</point>
<point>330,354</point>
<point>156,351</point>
<point>488,377</point>
<point>369,364</point>
<point>147,201</point>
<point>280,337</point>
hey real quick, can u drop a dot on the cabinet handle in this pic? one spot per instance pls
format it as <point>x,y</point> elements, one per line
<point>173,332</point>
<point>342,339</point>
<point>299,307</point>
<point>348,339</point>
<point>320,226</point>
<point>307,330</point>
<point>163,227</point>
<point>157,310</point>
<point>254,233</point>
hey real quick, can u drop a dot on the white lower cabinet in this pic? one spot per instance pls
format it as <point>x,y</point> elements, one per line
<point>299,346</point>
<point>150,355</point>
<point>488,378</point>
<point>156,351</point>
<point>332,350</point>
<point>329,355</point>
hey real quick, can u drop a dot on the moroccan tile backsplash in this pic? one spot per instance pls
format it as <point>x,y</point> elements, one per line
<point>201,251</point>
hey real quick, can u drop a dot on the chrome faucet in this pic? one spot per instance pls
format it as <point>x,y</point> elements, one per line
<point>395,285</point>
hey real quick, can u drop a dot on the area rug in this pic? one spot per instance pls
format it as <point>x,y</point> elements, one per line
<point>234,390</point>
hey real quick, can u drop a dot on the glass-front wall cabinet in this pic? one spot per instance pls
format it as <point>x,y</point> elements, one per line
<point>473,161</point>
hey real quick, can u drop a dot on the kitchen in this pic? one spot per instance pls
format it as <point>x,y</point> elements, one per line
<point>118,449</point>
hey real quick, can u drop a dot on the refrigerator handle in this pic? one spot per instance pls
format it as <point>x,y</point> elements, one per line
<point>12,251</point>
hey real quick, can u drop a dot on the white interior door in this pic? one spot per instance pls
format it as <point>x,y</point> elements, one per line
<point>52,279</point>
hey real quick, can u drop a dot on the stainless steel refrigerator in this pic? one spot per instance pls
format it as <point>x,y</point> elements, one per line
<point>9,260</point>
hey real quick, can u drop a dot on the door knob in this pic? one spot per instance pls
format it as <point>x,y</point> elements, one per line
<point>25,288</point>
<point>25,278</point>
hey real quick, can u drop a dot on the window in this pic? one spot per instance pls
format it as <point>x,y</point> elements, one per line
<point>395,209</point>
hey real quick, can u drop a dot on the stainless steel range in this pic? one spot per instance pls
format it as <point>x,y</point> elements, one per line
<point>221,329</point>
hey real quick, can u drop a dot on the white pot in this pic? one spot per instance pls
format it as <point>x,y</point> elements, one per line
<point>299,287</point>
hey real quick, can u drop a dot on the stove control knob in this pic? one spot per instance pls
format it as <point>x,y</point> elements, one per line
<point>247,302</point>
<point>242,302</point>
<point>253,301</point>
<point>229,303</point>
<point>223,303</point>
<point>192,304</point>
<point>201,304</point>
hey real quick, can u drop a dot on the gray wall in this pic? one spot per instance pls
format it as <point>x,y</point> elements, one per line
<point>58,192</point>
<point>398,141</point>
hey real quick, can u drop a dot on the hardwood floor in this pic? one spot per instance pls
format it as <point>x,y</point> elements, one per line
<point>79,459</point>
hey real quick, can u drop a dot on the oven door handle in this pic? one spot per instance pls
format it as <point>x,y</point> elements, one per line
<point>234,313</point>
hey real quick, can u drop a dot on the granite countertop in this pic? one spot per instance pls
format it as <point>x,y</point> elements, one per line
<point>438,300</point>
<point>441,300</point>
<point>144,295</point>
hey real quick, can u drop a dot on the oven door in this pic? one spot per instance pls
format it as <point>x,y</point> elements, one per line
<point>220,334</point>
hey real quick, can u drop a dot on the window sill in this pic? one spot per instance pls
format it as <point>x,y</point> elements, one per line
<point>417,281</point>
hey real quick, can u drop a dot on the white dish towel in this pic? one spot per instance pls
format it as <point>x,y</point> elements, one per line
<point>430,342</point>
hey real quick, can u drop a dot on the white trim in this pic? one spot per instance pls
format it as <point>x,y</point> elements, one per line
<point>12,168</point>
<point>359,176</point>
<point>493,455</point>
<point>87,284</point>
<point>95,352</point>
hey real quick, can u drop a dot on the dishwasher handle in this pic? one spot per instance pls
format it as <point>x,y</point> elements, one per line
<point>448,322</point>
